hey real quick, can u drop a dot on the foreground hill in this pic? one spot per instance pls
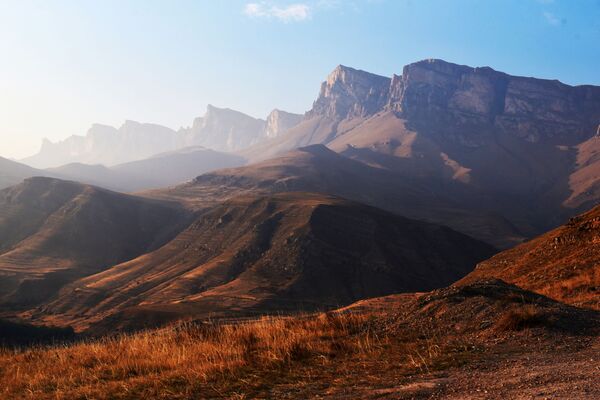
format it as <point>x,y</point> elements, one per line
<point>520,147</point>
<point>318,169</point>
<point>563,264</point>
<point>486,340</point>
<point>53,232</point>
<point>285,252</point>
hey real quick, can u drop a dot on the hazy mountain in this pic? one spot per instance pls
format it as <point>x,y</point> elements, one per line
<point>12,172</point>
<point>53,232</point>
<point>224,129</point>
<point>279,122</point>
<point>165,169</point>
<point>521,147</point>
<point>220,129</point>
<point>107,145</point>
<point>283,252</point>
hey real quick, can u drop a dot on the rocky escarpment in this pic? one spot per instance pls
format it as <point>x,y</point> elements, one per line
<point>223,129</point>
<point>456,96</point>
<point>348,92</point>
<point>452,98</point>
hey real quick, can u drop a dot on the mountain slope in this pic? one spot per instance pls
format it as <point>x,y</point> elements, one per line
<point>519,147</point>
<point>563,264</point>
<point>284,252</point>
<point>318,169</point>
<point>53,232</point>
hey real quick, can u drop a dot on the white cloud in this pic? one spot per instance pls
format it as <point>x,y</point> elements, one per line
<point>290,13</point>
<point>551,18</point>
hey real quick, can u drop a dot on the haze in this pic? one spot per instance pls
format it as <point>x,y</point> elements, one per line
<point>75,63</point>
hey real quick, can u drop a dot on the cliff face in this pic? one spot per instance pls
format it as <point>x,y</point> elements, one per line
<point>224,129</point>
<point>279,122</point>
<point>348,92</point>
<point>458,96</point>
<point>451,98</point>
<point>520,147</point>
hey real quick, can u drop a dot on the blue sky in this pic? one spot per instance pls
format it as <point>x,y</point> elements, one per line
<point>67,64</point>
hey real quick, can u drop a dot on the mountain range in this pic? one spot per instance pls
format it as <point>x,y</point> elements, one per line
<point>524,148</point>
<point>386,185</point>
<point>221,129</point>
<point>161,170</point>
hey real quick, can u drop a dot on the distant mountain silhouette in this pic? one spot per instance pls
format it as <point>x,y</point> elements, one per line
<point>161,170</point>
<point>220,129</point>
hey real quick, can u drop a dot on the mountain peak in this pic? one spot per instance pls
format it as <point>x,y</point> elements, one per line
<point>279,121</point>
<point>350,92</point>
<point>347,74</point>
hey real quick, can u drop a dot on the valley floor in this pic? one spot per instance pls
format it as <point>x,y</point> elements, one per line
<point>484,341</point>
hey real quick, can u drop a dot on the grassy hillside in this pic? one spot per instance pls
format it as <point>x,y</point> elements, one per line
<point>400,346</point>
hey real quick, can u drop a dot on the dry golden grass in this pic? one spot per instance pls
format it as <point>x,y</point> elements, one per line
<point>520,318</point>
<point>344,354</point>
<point>580,289</point>
<point>183,360</point>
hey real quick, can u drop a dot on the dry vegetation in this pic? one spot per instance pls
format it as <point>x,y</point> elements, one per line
<point>403,346</point>
<point>204,360</point>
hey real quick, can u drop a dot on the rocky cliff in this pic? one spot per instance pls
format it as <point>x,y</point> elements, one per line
<point>348,92</point>
<point>279,122</point>
<point>455,96</point>
<point>451,98</point>
<point>224,129</point>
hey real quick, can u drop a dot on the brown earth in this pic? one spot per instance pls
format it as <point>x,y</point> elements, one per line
<point>53,232</point>
<point>486,340</point>
<point>278,253</point>
<point>563,264</point>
